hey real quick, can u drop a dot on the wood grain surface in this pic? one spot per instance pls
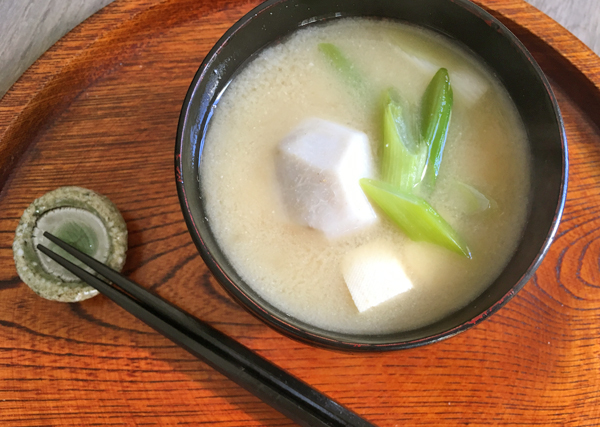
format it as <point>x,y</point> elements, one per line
<point>100,110</point>
<point>29,27</point>
<point>581,17</point>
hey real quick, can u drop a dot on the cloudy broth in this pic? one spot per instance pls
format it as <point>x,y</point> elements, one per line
<point>297,269</point>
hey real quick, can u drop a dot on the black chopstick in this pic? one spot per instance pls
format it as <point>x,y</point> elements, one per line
<point>284,392</point>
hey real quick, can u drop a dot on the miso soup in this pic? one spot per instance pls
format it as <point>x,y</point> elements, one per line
<point>298,269</point>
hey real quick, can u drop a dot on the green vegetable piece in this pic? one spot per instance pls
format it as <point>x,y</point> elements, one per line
<point>343,65</point>
<point>470,200</point>
<point>414,216</point>
<point>403,156</point>
<point>436,109</point>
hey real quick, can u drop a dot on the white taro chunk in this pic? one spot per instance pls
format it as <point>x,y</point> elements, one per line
<point>468,85</point>
<point>319,165</point>
<point>374,274</point>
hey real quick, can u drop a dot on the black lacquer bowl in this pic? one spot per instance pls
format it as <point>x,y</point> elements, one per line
<point>458,19</point>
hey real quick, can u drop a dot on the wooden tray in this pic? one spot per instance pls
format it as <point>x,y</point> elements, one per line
<point>100,110</point>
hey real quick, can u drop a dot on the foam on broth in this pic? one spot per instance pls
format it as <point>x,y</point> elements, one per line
<point>296,268</point>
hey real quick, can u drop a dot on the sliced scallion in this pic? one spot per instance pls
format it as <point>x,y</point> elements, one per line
<point>436,110</point>
<point>403,156</point>
<point>414,216</point>
<point>470,200</point>
<point>342,65</point>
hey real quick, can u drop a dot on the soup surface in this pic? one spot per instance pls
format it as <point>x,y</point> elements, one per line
<point>297,269</point>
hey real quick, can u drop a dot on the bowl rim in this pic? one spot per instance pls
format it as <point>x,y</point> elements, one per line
<point>292,331</point>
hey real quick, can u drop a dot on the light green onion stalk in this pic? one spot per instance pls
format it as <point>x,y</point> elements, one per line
<point>414,216</point>
<point>343,66</point>
<point>403,156</point>
<point>436,110</point>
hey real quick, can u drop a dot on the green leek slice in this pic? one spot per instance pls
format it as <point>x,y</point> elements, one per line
<point>342,65</point>
<point>436,110</point>
<point>470,200</point>
<point>403,156</point>
<point>414,216</point>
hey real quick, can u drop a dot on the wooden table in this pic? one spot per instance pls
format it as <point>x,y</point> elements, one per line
<point>100,110</point>
<point>29,27</point>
